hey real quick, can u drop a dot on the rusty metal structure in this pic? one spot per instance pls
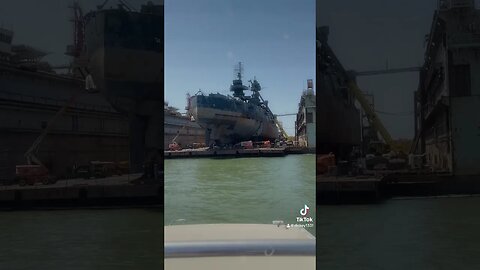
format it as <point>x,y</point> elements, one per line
<point>447,102</point>
<point>338,120</point>
<point>305,124</point>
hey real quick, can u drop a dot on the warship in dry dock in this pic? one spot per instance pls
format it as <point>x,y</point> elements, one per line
<point>229,120</point>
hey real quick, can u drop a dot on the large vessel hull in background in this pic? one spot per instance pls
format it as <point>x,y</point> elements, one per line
<point>228,121</point>
<point>182,130</point>
<point>89,130</point>
<point>125,52</point>
<point>125,57</point>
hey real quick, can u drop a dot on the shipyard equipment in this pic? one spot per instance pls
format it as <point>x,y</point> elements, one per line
<point>279,125</point>
<point>30,155</point>
<point>386,71</point>
<point>35,170</point>
<point>174,146</point>
<point>398,146</point>
<point>357,93</point>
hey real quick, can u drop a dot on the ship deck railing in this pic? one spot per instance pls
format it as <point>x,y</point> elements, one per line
<point>240,248</point>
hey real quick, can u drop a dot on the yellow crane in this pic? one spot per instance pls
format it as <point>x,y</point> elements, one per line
<point>356,92</point>
<point>280,127</point>
<point>370,112</point>
<point>35,170</point>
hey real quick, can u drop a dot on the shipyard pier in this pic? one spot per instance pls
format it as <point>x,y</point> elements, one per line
<point>87,133</point>
<point>442,158</point>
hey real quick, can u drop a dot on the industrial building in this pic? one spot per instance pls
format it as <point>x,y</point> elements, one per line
<point>305,124</point>
<point>447,103</point>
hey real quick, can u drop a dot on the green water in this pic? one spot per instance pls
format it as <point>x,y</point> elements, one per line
<point>428,233</point>
<point>239,190</point>
<point>81,239</point>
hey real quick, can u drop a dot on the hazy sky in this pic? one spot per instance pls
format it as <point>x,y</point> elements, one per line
<point>275,41</point>
<point>366,34</point>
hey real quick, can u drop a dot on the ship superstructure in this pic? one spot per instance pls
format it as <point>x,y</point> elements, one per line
<point>231,119</point>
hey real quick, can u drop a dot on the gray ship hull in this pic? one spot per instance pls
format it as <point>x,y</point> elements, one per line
<point>224,126</point>
<point>181,130</point>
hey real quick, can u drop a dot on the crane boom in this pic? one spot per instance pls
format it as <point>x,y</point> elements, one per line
<point>285,114</point>
<point>280,127</point>
<point>386,71</point>
<point>349,78</point>
<point>30,153</point>
<point>178,133</point>
<point>370,112</point>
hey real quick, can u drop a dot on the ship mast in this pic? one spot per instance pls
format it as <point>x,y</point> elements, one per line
<point>237,86</point>
<point>239,71</point>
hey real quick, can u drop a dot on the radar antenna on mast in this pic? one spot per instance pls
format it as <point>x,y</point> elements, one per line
<point>239,71</point>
